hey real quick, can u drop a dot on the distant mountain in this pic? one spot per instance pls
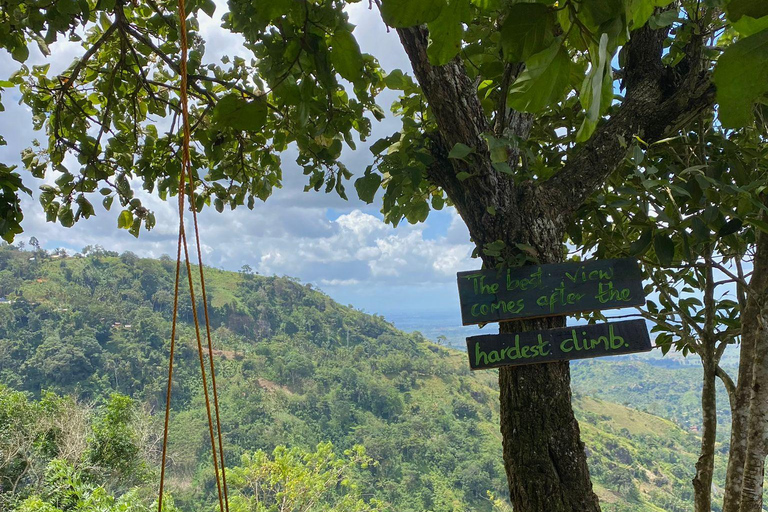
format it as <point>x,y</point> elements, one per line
<point>295,368</point>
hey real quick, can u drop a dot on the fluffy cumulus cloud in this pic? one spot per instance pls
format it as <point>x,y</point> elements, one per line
<point>342,246</point>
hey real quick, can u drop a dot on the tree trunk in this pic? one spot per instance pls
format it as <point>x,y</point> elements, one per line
<point>740,408</point>
<point>753,334</point>
<point>705,466</point>
<point>543,454</point>
<point>544,457</point>
<point>757,424</point>
<point>757,445</point>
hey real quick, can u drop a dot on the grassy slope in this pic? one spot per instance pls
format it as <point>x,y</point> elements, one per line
<point>294,382</point>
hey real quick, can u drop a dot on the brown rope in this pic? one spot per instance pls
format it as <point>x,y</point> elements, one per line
<point>210,345</point>
<point>186,171</point>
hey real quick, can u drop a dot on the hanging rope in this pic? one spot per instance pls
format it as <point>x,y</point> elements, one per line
<point>186,172</point>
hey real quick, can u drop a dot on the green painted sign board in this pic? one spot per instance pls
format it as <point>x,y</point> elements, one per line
<point>549,290</point>
<point>575,342</point>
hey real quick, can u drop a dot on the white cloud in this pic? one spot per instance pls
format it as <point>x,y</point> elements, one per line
<point>342,246</point>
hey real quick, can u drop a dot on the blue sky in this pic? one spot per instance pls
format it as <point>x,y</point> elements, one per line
<point>343,247</point>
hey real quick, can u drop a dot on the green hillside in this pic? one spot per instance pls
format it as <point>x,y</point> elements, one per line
<point>297,369</point>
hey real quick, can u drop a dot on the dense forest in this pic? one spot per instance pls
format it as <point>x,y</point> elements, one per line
<point>394,421</point>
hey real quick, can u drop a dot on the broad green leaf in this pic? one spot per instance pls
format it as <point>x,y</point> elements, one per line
<point>264,12</point>
<point>20,53</point>
<point>747,26</point>
<point>662,19</point>
<point>487,5</point>
<point>641,10</point>
<point>544,80</point>
<point>66,217</point>
<point>731,227</point>
<point>418,212</point>
<point>408,13</point>
<point>760,224</point>
<point>527,30</point>
<point>639,246</point>
<point>208,7</point>
<point>597,12</point>
<point>398,81</point>
<point>460,151</point>
<point>591,93</point>
<point>735,9</point>
<point>665,249</point>
<point>235,112</point>
<point>447,31</point>
<point>367,185</point>
<point>345,55</point>
<point>596,91</point>
<point>125,219</point>
<point>741,78</point>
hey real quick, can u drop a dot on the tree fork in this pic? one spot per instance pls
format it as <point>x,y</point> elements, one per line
<point>544,457</point>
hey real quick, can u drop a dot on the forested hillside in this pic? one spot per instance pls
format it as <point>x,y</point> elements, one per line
<point>295,369</point>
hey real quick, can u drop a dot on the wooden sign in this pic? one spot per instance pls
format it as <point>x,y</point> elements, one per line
<point>549,290</point>
<point>575,342</point>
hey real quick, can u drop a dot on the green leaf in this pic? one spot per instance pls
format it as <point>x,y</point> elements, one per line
<point>20,53</point>
<point>641,10</point>
<point>125,220</point>
<point>345,55</point>
<point>597,12</point>
<point>662,19</point>
<point>463,175</point>
<point>760,224</point>
<point>235,112</point>
<point>731,227</point>
<point>639,246</point>
<point>264,12</point>
<point>544,80</point>
<point>460,151</point>
<point>66,217</point>
<point>735,9</point>
<point>408,13</point>
<point>418,212</point>
<point>596,92</point>
<point>367,185</point>
<point>447,31</point>
<point>665,249</point>
<point>527,30</point>
<point>208,7</point>
<point>487,5</point>
<point>42,45</point>
<point>741,78</point>
<point>398,81</point>
<point>747,26</point>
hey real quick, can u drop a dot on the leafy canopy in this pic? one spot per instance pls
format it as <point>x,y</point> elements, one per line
<point>306,84</point>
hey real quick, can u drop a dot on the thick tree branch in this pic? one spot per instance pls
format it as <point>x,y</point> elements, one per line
<point>460,118</point>
<point>656,105</point>
<point>72,78</point>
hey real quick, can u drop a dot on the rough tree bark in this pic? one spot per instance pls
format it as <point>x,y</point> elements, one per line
<point>543,454</point>
<point>705,466</point>
<point>757,422</point>
<point>753,341</point>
